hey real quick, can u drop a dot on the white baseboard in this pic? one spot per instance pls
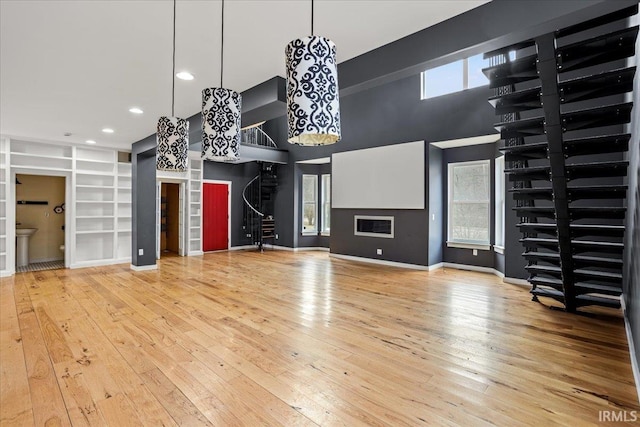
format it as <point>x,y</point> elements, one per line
<point>489,270</point>
<point>242,248</point>
<point>435,266</point>
<point>100,263</point>
<point>380,262</point>
<point>195,253</point>
<point>470,267</point>
<point>632,348</point>
<point>6,273</point>
<point>514,281</point>
<point>311,248</point>
<point>280,248</point>
<point>144,267</point>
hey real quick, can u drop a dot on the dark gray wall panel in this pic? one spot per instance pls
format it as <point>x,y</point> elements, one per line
<point>436,204</point>
<point>143,193</point>
<point>409,245</point>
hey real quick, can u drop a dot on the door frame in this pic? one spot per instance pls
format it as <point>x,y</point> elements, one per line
<point>183,208</point>
<point>228,184</point>
<point>69,213</point>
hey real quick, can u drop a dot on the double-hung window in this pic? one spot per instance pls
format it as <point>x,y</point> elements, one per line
<point>309,204</point>
<point>469,200</point>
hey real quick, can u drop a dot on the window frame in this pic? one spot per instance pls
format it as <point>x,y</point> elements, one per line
<point>499,212</point>
<point>468,244</point>
<point>306,202</point>
<point>325,217</point>
<point>464,76</point>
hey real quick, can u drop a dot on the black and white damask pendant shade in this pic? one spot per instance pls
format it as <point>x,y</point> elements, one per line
<point>313,105</point>
<point>173,144</point>
<point>221,109</point>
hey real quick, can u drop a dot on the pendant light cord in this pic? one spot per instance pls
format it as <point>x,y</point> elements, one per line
<point>312,17</point>
<point>173,71</point>
<point>222,45</point>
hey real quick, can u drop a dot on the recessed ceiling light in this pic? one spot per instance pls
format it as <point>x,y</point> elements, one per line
<point>135,110</point>
<point>107,130</point>
<point>184,75</point>
<point>90,141</point>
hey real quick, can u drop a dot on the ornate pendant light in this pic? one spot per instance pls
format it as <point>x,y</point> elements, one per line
<point>173,132</point>
<point>313,105</point>
<point>221,109</point>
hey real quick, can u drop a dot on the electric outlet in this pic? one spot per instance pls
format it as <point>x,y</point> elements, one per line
<point>140,252</point>
<point>379,251</point>
<point>276,237</point>
<point>475,252</point>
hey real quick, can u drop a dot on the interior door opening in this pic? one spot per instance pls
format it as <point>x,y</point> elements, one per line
<point>40,222</point>
<point>169,219</point>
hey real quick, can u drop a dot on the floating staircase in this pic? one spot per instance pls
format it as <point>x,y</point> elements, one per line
<point>258,195</point>
<point>562,109</point>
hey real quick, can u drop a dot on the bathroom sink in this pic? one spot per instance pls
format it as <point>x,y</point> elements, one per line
<point>22,245</point>
<point>25,231</point>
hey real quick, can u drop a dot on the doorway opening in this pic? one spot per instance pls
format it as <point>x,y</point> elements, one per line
<point>170,219</point>
<point>40,222</point>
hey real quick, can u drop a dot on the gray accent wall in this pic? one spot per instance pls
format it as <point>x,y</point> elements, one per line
<point>409,245</point>
<point>143,193</point>
<point>436,205</point>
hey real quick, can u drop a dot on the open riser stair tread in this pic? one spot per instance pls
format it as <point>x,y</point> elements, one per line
<point>573,171</point>
<point>596,145</point>
<point>512,72</point>
<point>599,85</point>
<point>597,22</point>
<point>597,50</point>
<point>577,230</point>
<point>582,88</point>
<point>607,115</point>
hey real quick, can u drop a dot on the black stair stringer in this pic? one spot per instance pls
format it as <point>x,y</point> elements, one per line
<point>548,72</point>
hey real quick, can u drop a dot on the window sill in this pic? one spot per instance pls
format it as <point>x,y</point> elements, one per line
<point>498,249</point>
<point>325,234</point>
<point>309,233</point>
<point>461,245</point>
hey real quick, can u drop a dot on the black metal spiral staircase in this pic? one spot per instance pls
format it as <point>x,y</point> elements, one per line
<point>258,195</point>
<point>566,157</point>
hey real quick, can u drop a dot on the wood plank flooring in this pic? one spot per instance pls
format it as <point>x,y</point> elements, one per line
<point>299,339</point>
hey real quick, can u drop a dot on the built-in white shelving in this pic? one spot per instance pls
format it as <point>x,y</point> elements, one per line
<point>99,207</point>
<point>97,190</point>
<point>4,195</point>
<point>123,209</point>
<point>194,246</point>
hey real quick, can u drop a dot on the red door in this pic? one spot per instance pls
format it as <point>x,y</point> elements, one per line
<point>215,217</point>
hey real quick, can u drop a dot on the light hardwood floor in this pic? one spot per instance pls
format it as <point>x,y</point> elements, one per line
<point>279,338</point>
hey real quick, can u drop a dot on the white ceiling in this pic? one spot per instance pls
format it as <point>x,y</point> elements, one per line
<point>77,66</point>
